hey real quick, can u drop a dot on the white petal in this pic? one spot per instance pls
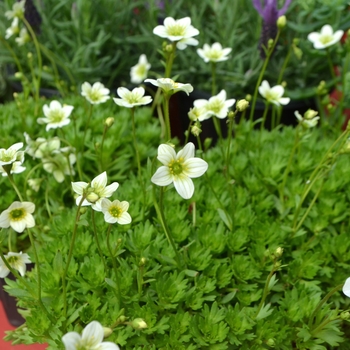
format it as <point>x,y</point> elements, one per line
<point>18,226</point>
<point>110,189</point>
<point>29,221</point>
<point>78,187</point>
<point>29,207</point>
<point>108,346</point>
<point>4,219</point>
<point>162,177</point>
<point>195,167</point>
<point>346,287</point>
<point>327,30</point>
<point>123,92</point>
<point>166,154</point>
<point>94,333</point>
<point>184,187</point>
<point>187,152</point>
<point>124,219</point>
<point>105,204</point>
<point>284,100</point>
<point>21,268</point>
<point>4,271</point>
<point>100,180</point>
<point>71,340</point>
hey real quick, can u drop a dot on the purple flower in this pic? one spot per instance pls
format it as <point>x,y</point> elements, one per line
<point>270,14</point>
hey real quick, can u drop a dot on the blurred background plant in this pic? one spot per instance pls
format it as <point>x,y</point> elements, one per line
<point>90,41</point>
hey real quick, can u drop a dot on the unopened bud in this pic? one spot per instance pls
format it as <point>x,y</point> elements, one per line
<point>310,114</point>
<point>109,122</point>
<point>29,55</point>
<point>121,319</point>
<point>139,323</point>
<point>345,315</point>
<point>107,332</point>
<point>248,97</point>
<point>18,75</point>
<point>92,197</point>
<point>83,210</point>
<point>270,43</point>
<point>284,83</point>
<point>278,252</point>
<point>195,130</point>
<point>169,48</point>
<point>143,261</point>
<point>270,342</point>
<point>242,105</point>
<point>281,22</point>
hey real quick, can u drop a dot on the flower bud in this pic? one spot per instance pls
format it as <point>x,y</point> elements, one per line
<point>109,122</point>
<point>310,114</point>
<point>83,210</point>
<point>18,75</point>
<point>270,43</point>
<point>345,315</point>
<point>92,197</point>
<point>143,261</point>
<point>196,130</point>
<point>278,252</point>
<point>29,55</point>
<point>271,343</point>
<point>281,22</point>
<point>139,323</point>
<point>242,105</point>
<point>248,97</point>
<point>107,332</point>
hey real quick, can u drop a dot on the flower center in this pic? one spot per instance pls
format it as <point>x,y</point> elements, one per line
<point>17,214</point>
<point>215,106</point>
<point>214,54</point>
<point>95,95</point>
<point>271,96</point>
<point>141,70</point>
<point>6,157</point>
<point>176,167</point>
<point>56,116</point>
<point>12,260</point>
<point>176,30</point>
<point>115,211</point>
<point>325,39</point>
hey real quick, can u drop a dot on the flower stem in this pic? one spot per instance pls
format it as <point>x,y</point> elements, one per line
<point>330,63</point>
<point>167,117</point>
<point>160,212</point>
<point>96,239</point>
<point>9,175</point>
<point>170,61</point>
<point>262,72</point>
<point>266,290</point>
<point>267,105</point>
<point>70,253</point>
<point>114,263</point>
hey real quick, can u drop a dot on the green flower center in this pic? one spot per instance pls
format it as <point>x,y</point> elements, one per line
<point>325,39</point>
<point>176,30</point>
<point>115,211</point>
<point>270,96</point>
<point>56,116</point>
<point>12,260</point>
<point>17,214</point>
<point>6,157</point>
<point>214,54</point>
<point>215,106</point>
<point>95,95</point>
<point>176,167</point>
<point>141,70</point>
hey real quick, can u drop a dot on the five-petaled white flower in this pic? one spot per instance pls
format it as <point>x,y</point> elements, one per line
<point>325,38</point>
<point>94,192</point>
<point>180,31</point>
<point>115,211</point>
<point>96,93</point>
<point>169,86</point>
<point>273,94</point>
<point>23,37</point>
<point>13,30</point>
<point>216,106</point>
<point>214,53</point>
<point>130,99</point>
<point>179,168</point>
<point>56,115</point>
<point>12,154</point>
<point>17,10</point>
<point>17,261</point>
<point>16,168</point>
<point>138,73</point>
<point>91,339</point>
<point>309,120</point>
<point>18,215</point>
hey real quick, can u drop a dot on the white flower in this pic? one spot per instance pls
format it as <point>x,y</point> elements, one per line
<point>94,192</point>
<point>17,261</point>
<point>45,148</point>
<point>130,99</point>
<point>35,184</point>
<point>214,53</point>
<point>346,287</point>
<point>115,211</point>
<point>16,168</point>
<point>196,112</point>
<point>216,106</point>
<point>17,10</point>
<point>11,155</point>
<point>18,215</point>
<point>170,86</point>
<point>32,146</point>
<point>96,93</point>
<point>180,31</point>
<point>309,120</point>
<point>91,339</point>
<point>23,37</point>
<point>59,164</point>
<point>325,38</point>
<point>56,115</point>
<point>138,73</point>
<point>179,168</point>
<point>13,30</point>
<point>274,94</point>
